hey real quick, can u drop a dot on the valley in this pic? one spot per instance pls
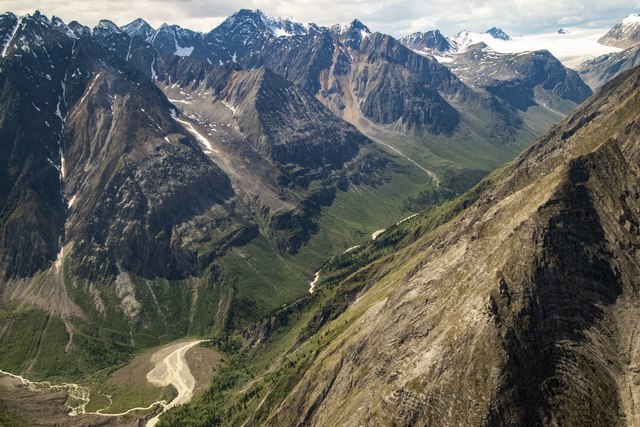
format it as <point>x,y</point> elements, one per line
<point>163,372</point>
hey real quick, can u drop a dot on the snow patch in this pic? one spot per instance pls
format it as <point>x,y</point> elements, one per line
<point>13,34</point>
<point>58,113</point>
<point>90,87</point>
<point>200,137</point>
<point>129,50</point>
<point>63,169</point>
<point>180,101</point>
<point>154,76</point>
<point>180,50</point>
<point>229,106</point>
<point>442,59</point>
<point>281,32</point>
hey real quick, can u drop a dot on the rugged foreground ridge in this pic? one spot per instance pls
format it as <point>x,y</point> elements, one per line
<point>519,310</point>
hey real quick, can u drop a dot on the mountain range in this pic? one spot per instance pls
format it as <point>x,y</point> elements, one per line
<point>160,183</point>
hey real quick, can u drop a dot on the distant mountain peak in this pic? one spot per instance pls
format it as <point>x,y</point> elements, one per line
<point>432,42</point>
<point>247,20</point>
<point>173,39</point>
<point>358,25</point>
<point>138,28</point>
<point>497,33</point>
<point>351,34</point>
<point>355,25</point>
<point>624,34</point>
<point>78,29</point>
<point>108,25</point>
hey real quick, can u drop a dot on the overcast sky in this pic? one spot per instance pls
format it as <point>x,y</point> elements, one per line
<point>395,17</point>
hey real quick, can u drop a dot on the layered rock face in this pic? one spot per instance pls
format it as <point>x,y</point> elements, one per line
<point>520,310</point>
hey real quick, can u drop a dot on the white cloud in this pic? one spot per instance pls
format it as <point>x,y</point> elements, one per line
<point>568,20</point>
<point>396,17</point>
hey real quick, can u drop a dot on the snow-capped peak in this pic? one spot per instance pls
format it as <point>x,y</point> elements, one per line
<point>431,42</point>
<point>354,26</point>
<point>463,40</point>
<point>247,21</point>
<point>633,19</point>
<point>351,34</point>
<point>283,27</point>
<point>624,34</point>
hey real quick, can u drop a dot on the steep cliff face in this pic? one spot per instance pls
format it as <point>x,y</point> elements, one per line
<point>32,212</point>
<point>522,309</point>
<point>93,157</point>
<point>133,175</point>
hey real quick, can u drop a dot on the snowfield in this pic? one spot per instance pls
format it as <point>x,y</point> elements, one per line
<point>573,48</point>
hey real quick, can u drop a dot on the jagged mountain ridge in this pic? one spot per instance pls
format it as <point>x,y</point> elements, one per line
<point>261,124</point>
<point>316,58</point>
<point>138,28</point>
